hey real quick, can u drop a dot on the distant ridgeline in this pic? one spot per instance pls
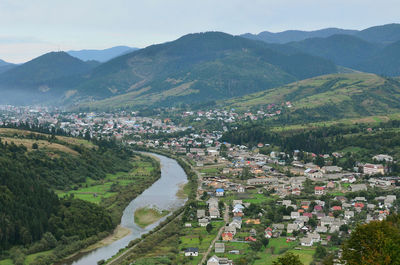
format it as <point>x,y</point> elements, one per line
<point>32,165</point>
<point>199,68</point>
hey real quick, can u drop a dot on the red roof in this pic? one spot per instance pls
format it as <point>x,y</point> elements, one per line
<point>318,208</point>
<point>359,205</point>
<point>319,188</point>
<point>337,208</point>
<point>308,215</point>
<point>250,238</point>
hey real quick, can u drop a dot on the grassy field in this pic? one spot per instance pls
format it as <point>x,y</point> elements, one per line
<point>6,262</point>
<point>197,237</point>
<point>8,132</point>
<point>278,246</point>
<point>94,191</point>
<point>42,144</point>
<point>147,216</point>
<point>373,120</point>
<point>30,258</point>
<point>258,198</point>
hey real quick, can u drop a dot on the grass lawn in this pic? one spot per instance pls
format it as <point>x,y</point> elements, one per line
<point>6,262</point>
<point>259,198</point>
<point>210,170</point>
<point>147,216</point>
<point>266,258</point>
<point>30,258</point>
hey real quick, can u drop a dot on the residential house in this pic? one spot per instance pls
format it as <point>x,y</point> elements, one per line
<point>331,169</point>
<point>319,190</point>
<point>373,169</point>
<point>203,222</point>
<point>201,213</point>
<point>219,192</point>
<point>358,187</point>
<point>230,229</point>
<point>292,227</point>
<point>191,252</point>
<point>219,247</point>
<point>306,242</point>
<point>214,213</point>
<point>227,236</point>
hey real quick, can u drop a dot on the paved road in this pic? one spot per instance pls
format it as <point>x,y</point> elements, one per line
<point>226,219</point>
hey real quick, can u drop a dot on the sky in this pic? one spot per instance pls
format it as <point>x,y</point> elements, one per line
<point>30,28</point>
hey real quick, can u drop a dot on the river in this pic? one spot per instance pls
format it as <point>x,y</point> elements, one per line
<point>162,194</point>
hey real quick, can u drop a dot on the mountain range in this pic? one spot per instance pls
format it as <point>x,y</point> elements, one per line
<point>375,50</point>
<point>195,68</point>
<point>5,66</point>
<point>101,55</point>
<point>384,34</point>
<point>198,68</point>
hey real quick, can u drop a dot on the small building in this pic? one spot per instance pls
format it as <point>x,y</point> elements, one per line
<point>219,192</point>
<point>358,187</point>
<point>219,247</point>
<point>227,236</point>
<point>240,189</point>
<point>203,222</point>
<point>319,190</point>
<point>373,169</point>
<point>201,213</point>
<point>213,260</point>
<point>194,252</point>
<point>306,242</point>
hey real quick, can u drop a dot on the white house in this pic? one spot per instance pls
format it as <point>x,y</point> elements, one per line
<point>191,252</point>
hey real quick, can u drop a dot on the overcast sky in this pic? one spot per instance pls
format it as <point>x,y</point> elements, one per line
<point>30,28</point>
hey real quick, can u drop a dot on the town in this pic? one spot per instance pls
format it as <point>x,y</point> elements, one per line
<point>247,198</point>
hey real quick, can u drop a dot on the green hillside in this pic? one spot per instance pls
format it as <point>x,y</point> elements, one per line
<point>329,96</point>
<point>47,67</point>
<point>43,79</point>
<point>196,68</point>
<point>345,50</point>
<point>386,62</point>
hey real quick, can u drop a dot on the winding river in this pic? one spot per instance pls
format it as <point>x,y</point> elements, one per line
<point>162,194</point>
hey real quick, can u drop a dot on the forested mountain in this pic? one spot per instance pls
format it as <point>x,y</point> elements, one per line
<point>329,97</point>
<point>195,68</point>
<point>32,165</point>
<point>372,50</point>
<point>345,50</point>
<point>296,35</point>
<point>5,66</point>
<point>386,62</point>
<point>101,55</point>
<point>384,34</point>
<point>50,66</point>
<point>43,78</point>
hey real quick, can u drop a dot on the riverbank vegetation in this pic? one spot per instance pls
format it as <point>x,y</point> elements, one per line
<point>162,244</point>
<point>34,220</point>
<point>147,216</point>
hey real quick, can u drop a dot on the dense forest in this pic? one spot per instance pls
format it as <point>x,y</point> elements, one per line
<point>29,208</point>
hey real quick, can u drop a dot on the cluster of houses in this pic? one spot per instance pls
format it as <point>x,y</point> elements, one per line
<point>213,212</point>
